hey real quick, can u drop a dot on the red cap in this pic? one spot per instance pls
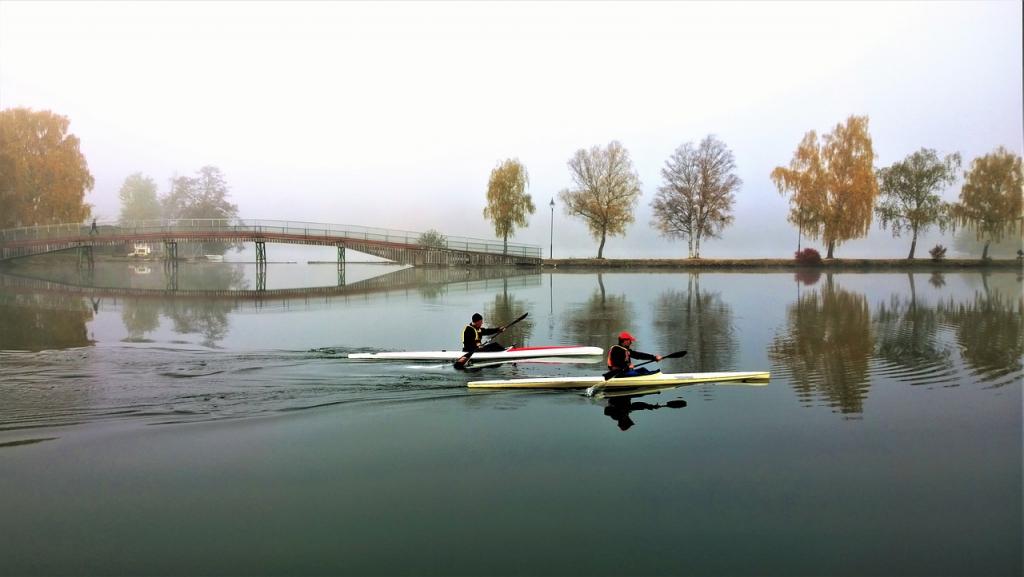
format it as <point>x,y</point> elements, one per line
<point>624,335</point>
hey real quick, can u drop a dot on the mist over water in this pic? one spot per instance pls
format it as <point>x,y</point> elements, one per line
<point>208,400</point>
<point>123,345</point>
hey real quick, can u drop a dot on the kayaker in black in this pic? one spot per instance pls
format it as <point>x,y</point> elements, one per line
<point>474,331</point>
<point>620,357</point>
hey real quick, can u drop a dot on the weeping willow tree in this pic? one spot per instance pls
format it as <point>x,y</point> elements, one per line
<point>909,193</point>
<point>507,201</point>
<point>832,183</point>
<point>990,200</point>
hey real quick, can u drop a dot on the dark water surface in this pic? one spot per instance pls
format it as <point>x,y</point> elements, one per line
<point>219,428</point>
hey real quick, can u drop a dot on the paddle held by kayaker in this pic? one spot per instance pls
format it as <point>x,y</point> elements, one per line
<point>620,357</point>
<point>471,336</point>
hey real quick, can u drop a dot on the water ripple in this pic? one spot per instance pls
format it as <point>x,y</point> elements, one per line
<point>164,385</point>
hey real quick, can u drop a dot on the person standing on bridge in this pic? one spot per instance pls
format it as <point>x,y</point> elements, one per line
<point>471,338</point>
<point>93,230</point>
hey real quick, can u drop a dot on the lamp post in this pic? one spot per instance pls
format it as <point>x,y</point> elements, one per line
<point>551,240</point>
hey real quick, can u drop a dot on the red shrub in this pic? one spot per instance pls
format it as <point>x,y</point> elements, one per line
<point>808,256</point>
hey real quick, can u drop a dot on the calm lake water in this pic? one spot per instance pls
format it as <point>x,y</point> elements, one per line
<point>220,429</point>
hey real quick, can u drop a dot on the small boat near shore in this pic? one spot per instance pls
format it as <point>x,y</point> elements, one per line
<point>511,353</point>
<point>651,380</point>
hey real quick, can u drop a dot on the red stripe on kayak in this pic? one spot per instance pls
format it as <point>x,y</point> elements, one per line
<point>542,348</point>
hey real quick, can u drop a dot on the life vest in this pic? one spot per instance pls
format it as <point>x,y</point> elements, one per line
<point>609,360</point>
<point>476,333</point>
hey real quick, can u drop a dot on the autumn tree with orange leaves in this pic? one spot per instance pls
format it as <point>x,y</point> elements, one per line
<point>43,174</point>
<point>990,200</point>
<point>832,184</point>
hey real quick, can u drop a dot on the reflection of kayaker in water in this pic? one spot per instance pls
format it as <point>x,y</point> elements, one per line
<point>619,409</point>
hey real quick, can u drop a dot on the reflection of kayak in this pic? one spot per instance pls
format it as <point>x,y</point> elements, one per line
<point>652,380</point>
<point>640,390</point>
<point>507,354</point>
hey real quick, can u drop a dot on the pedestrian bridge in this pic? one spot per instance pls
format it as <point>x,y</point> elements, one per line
<point>404,247</point>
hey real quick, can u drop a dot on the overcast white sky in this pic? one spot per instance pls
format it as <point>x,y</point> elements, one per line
<point>393,114</point>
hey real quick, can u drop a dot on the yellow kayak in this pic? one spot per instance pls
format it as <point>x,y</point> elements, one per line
<point>652,380</point>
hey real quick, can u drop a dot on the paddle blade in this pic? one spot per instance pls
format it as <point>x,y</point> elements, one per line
<point>610,374</point>
<point>461,362</point>
<point>674,355</point>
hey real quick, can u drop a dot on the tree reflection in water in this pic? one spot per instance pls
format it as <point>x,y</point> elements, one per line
<point>699,322</point>
<point>907,335</point>
<point>599,319</point>
<point>507,308</point>
<point>807,277</point>
<point>40,322</point>
<point>207,317</point>
<point>140,316</point>
<point>990,333</point>
<point>826,346</point>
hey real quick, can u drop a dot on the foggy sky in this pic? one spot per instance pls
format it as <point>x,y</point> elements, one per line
<point>393,115</point>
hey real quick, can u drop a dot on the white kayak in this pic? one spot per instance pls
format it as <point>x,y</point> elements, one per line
<point>508,354</point>
<point>652,380</point>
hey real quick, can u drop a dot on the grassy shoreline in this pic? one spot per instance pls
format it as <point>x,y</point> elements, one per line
<point>758,263</point>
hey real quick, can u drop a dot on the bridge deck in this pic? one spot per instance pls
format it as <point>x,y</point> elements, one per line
<point>400,246</point>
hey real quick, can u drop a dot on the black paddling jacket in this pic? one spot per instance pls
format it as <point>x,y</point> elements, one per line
<point>619,357</point>
<point>471,337</point>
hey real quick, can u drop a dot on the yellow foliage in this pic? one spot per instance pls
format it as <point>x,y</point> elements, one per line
<point>507,201</point>
<point>43,175</point>
<point>833,183</point>
<point>990,200</point>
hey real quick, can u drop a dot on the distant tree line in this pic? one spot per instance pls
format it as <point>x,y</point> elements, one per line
<point>204,195</point>
<point>44,177</point>
<point>834,190</point>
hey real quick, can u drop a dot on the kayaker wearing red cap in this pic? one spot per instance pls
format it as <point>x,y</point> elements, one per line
<point>620,357</point>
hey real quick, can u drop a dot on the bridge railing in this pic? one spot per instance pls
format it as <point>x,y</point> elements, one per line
<point>312,230</point>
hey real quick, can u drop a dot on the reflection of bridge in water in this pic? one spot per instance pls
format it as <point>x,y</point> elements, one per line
<point>424,281</point>
<point>403,247</point>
